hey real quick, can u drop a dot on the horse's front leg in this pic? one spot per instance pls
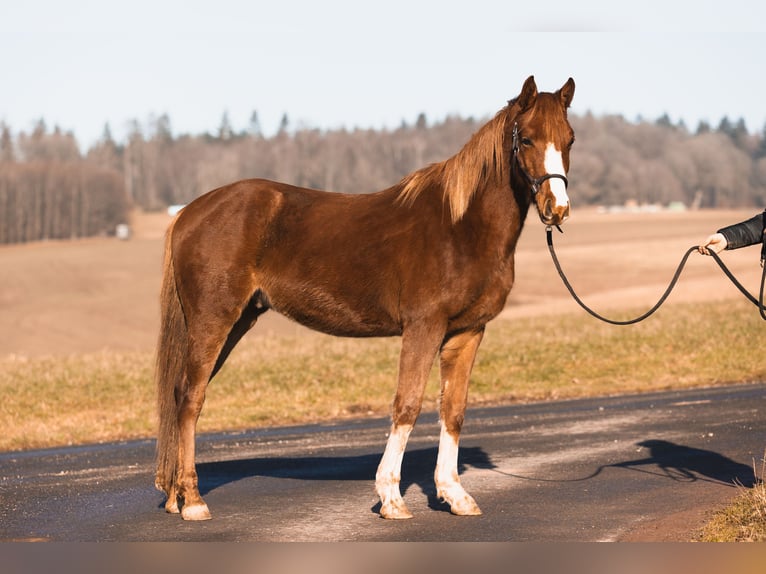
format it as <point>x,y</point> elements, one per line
<point>420,344</point>
<point>456,361</point>
<point>389,475</point>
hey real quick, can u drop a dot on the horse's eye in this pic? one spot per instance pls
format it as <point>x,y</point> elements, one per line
<point>526,142</point>
<point>571,142</point>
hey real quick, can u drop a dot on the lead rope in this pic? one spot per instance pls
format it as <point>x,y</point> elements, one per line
<point>757,302</point>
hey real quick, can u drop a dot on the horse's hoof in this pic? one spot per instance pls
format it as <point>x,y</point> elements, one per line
<point>392,511</point>
<point>460,502</point>
<point>171,507</point>
<point>465,508</point>
<point>196,512</point>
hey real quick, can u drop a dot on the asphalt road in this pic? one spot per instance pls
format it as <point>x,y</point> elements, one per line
<point>644,467</point>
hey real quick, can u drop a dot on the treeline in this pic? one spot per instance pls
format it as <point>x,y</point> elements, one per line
<point>162,170</point>
<point>658,163</point>
<point>50,190</point>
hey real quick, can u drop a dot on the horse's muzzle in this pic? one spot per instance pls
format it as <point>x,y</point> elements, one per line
<point>553,214</point>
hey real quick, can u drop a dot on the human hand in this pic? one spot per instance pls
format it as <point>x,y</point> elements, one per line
<point>715,243</point>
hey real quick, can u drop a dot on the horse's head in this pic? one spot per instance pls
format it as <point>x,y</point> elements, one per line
<point>541,138</point>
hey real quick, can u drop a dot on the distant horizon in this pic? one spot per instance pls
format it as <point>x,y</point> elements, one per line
<point>237,131</point>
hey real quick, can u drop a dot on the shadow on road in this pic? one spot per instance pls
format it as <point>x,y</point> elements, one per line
<point>666,459</point>
<point>688,464</point>
<point>676,462</point>
<point>417,469</point>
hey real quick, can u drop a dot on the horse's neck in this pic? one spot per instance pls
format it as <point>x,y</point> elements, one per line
<point>498,213</point>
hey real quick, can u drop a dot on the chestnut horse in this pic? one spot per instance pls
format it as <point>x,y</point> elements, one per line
<point>430,259</point>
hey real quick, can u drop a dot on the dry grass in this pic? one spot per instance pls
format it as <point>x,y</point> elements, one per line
<point>681,346</point>
<point>744,520</point>
<point>309,378</point>
<point>79,399</point>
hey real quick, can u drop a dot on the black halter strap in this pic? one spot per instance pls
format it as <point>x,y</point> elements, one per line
<point>536,183</point>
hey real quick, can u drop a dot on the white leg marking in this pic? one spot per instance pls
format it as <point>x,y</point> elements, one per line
<point>389,474</point>
<point>448,486</point>
<point>554,164</point>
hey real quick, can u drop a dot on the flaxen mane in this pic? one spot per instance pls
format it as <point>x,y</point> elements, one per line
<point>478,164</point>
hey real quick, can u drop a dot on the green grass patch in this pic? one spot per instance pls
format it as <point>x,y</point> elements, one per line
<point>312,378</point>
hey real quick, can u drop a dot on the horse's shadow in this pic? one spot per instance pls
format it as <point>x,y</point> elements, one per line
<point>666,459</point>
<point>673,461</point>
<point>688,464</point>
<point>417,469</point>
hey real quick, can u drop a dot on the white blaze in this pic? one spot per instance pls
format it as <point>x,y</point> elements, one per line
<point>554,164</point>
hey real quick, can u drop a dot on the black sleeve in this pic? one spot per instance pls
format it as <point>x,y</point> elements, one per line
<point>746,233</point>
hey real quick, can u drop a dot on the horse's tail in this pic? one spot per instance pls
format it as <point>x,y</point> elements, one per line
<point>170,373</point>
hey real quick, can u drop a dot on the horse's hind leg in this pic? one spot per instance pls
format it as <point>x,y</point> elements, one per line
<point>419,347</point>
<point>456,361</point>
<point>213,338</point>
<point>190,405</point>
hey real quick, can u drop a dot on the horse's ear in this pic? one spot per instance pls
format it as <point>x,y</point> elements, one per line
<point>528,94</point>
<point>567,92</point>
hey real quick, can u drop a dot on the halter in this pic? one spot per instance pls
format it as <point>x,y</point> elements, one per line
<point>534,183</point>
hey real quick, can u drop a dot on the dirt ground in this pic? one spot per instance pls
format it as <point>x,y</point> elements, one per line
<point>61,298</point>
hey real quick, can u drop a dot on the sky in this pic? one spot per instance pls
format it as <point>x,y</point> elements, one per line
<point>82,64</point>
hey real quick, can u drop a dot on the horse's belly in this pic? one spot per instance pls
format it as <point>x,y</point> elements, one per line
<point>332,314</point>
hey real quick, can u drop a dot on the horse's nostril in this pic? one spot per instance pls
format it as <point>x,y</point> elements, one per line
<point>548,209</point>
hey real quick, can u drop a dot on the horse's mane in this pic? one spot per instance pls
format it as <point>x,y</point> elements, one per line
<point>479,163</point>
